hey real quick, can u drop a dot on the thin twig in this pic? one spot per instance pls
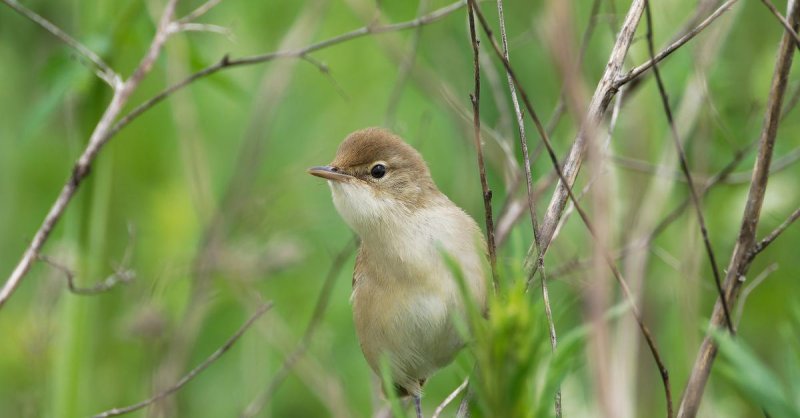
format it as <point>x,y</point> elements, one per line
<point>105,131</point>
<point>80,171</point>
<point>749,289</point>
<point>405,69</point>
<point>188,377</point>
<point>120,276</point>
<point>439,409</point>
<point>772,236</point>
<point>606,255</point>
<point>475,98</point>
<point>685,167</point>
<point>667,220</point>
<point>740,260</point>
<point>199,11</point>
<point>227,62</point>
<point>783,21</point>
<point>600,100</point>
<point>523,142</point>
<point>256,405</point>
<point>633,164</point>
<point>102,70</point>
<point>203,27</point>
<point>637,71</point>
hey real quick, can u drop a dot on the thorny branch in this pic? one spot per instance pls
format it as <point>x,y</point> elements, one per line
<point>188,377</point>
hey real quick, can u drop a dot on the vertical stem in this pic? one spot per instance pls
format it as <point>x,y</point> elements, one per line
<point>740,260</point>
<point>475,98</point>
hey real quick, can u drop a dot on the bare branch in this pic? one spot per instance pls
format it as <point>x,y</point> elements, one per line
<point>740,260</point>
<point>255,406</point>
<point>606,255</point>
<point>202,27</point>
<point>600,100</point>
<point>685,168</point>
<point>102,70</point>
<point>104,131</point>
<point>227,62</point>
<point>122,273</point>
<point>80,171</point>
<point>475,98</point>
<point>199,11</point>
<point>783,21</point>
<point>772,236</point>
<point>526,163</point>
<point>120,276</point>
<point>636,72</point>
<point>749,289</point>
<point>188,377</point>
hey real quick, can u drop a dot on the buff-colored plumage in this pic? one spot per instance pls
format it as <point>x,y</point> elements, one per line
<point>404,294</point>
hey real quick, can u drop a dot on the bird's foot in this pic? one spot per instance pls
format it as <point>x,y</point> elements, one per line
<point>418,405</point>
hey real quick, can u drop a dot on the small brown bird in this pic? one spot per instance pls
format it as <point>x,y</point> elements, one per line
<point>404,294</point>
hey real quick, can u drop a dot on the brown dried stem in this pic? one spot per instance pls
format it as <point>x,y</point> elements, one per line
<point>523,142</point>
<point>606,255</point>
<point>99,137</point>
<point>740,259</point>
<point>475,98</point>
<point>102,70</point>
<point>600,100</point>
<point>772,236</point>
<point>104,130</point>
<point>783,21</point>
<point>688,36</point>
<point>695,199</point>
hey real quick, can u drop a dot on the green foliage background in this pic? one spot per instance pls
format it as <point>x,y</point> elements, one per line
<point>213,183</point>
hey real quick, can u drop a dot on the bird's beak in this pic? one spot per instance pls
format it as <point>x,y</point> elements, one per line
<point>329,173</point>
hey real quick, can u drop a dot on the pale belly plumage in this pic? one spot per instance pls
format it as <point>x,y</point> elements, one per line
<point>413,329</point>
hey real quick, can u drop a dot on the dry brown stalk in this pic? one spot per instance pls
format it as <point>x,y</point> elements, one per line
<point>740,259</point>
<point>475,98</point>
<point>97,140</point>
<point>606,255</point>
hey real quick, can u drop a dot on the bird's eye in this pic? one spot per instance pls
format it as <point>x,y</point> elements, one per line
<point>378,171</point>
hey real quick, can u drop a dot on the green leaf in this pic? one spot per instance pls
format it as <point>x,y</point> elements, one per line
<point>743,369</point>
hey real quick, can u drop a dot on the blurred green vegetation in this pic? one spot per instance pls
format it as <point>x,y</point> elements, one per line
<point>212,182</point>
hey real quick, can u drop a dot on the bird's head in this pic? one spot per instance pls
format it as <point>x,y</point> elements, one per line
<point>376,177</point>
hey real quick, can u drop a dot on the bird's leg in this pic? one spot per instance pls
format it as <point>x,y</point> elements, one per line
<point>418,405</point>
